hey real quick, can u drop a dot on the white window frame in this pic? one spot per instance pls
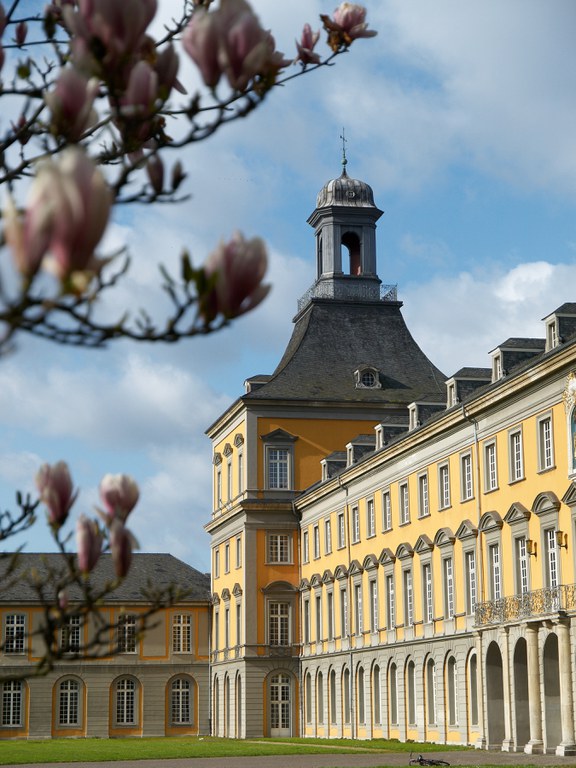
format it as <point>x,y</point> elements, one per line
<point>449,596</point>
<point>279,612</point>
<point>471,581</point>
<point>522,566</point>
<point>305,547</point>
<point>404,497</point>
<point>316,531</point>
<point>370,518</point>
<point>12,703</point>
<point>423,495</point>
<point>515,455</point>
<point>444,485</point>
<point>390,602</point>
<point>428,593</point>
<point>181,633</point>
<point>466,477</point>
<point>278,463</point>
<point>358,609</point>
<point>408,597</point>
<point>490,466</point>
<point>344,612</point>
<point>374,607</point>
<point>341,531</point>
<point>544,426</point>
<point>15,633</point>
<point>495,571</point>
<point>328,537</point>
<point>355,525</point>
<point>126,631</point>
<point>386,511</point>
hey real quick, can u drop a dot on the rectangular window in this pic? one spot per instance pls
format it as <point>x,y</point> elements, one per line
<point>427,589</point>
<point>341,531</point>
<point>466,482</point>
<point>238,551</point>
<point>404,504</point>
<point>444,486</point>
<point>219,487</point>
<point>448,588</point>
<point>327,537</point>
<point>330,614</point>
<point>227,558</point>
<point>551,558</point>
<point>240,473</point>
<point>279,548</point>
<point>374,611</point>
<point>316,542</point>
<point>490,467</point>
<point>125,702</point>
<point>318,618</point>
<point>496,576</point>
<point>545,444</point>
<point>278,460</point>
<point>521,566</point>
<point>227,628</point>
<point>423,500</point>
<point>470,566</point>
<point>370,519</point>
<point>279,624</point>
<point>216,563</point>
<point>344,612</point>
<point>408,599</point>
<point>305,548</point>
<point>390,603</point>
<point>12,703</point>
<point>306,621</point>
<point>216,630</point>
<point>516,456</point>
<point>238,624</point>
<point>358,609</point>
<point>68,703</point>
<point>355,525</point>
<point>386,511</point>
<point>15,633</point>
<point>229,480</point>
<point>126,634</point>
<point>181,634</point>
<point>70,635</point>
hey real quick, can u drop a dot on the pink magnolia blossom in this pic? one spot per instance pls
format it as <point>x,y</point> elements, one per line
<point>306,46</point>
<point>122,543</point>
<point>27,236</point>
<point>155,171</point>
<point>71,104</point>
<point>69,204</point>
<point>141,92</point>
<point>21,33</point>
<point>236,270</point>
<point>54,484</point>
<point>88,543</point>
<point>119,494</point>
<point>107,33</point>
<point>166,67</point>
<point>347,24</point>
<point>230,41</point>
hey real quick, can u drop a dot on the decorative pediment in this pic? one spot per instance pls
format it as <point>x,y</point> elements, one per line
<point>327,577</point>
<point>355,567</point>
<point>341,572</point>
<point>316,580</point>
<point>276,587</point>
<point>404,550</point>
<point>238,440</point>
<point>546,502</point>
<point>215,598</point>
<point>466,530</point>
<point>237,590</point>
<point>423,545</point>
<point>444,537</point>
<point>517,514</point>
<point>490,521</point>
<point>370,563</point>
<point>387,556</point>
<point>228,450</point>
<point>279,436</point>
<point>304,585</point>
<point>217,459</point>
<point>226,594</point>
<point>569,497</point>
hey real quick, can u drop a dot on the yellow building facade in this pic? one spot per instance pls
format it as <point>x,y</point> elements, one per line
<point>392,548</point>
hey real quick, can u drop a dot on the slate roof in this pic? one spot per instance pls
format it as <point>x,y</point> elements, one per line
<point>568,308</point>
<point>473,373</point>
<point>520,343</point>
<point>332,339</point>
<point>159,570</point>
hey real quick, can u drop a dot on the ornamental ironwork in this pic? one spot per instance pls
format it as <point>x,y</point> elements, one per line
<point>350,290</point>
<point>539,602</point>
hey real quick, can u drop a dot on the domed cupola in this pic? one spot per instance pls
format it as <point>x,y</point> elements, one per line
<point>345,224</point>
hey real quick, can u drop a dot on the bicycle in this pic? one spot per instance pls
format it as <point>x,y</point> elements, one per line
<point>420,760</point>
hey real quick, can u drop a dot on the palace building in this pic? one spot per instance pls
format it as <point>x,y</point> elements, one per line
<point>393,548</point>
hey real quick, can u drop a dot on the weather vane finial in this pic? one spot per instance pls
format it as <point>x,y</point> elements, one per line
<point>344,161</point>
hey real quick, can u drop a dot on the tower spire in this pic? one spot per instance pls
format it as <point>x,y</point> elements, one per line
<point>344,160</point>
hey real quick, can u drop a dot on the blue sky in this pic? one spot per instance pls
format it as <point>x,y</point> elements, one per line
<point>462,118</point>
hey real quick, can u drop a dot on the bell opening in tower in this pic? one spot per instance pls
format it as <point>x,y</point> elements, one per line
<point>352,243</point>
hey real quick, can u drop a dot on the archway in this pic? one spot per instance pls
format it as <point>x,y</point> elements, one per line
<point>495,696</point>
<point>552,715</point>
<point>521,701</point>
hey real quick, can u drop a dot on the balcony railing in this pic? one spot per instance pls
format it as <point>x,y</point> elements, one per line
<point>539,602</point>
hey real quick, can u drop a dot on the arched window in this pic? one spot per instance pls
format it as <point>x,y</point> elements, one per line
<point>393,688</point>
<point>69,703</point>
<point>320,698</point>
<point>473,672</point>
<point>352,243</point>
<point>12,703</point>
<point>376,709</point>
<point>308,697</point>
<point>346,692</point>
<point>181,701</point>
<point>431,691</point>
<point>125,701</point>
<point>361,704</point>
<point>411,687</point>
<point>452,691</point>
<point>333,711</point>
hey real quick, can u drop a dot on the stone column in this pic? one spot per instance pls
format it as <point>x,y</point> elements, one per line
<point>508,743</point>
<point>568,745</point>
<point>536,744</point>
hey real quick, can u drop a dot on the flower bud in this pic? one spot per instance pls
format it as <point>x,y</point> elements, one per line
<point>56,491</point>
<point>306,46</point>
<point>71,104</point>
<point>119,494</point>
<point>122,542</point>
<point>88,543</point>
<point>235,271</point>
<point>21,33</point>
<point>155,171</point>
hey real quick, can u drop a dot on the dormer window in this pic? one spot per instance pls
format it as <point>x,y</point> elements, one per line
<point>367,378</point>
<point>412,416</point>
<point>451,391</point>
<point>551,335</point>
<point>497,367</point>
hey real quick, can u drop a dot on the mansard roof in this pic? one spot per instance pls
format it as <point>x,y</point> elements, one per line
<point>158,571</point>
<point>332,338</point>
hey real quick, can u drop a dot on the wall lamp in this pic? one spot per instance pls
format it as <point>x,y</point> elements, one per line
<point>562,539</point>
<point>531,547</point>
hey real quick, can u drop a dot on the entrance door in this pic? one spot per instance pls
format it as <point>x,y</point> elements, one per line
<point>280,705</point>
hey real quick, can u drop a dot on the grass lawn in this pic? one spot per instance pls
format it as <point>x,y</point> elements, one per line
<point>94,750</point>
